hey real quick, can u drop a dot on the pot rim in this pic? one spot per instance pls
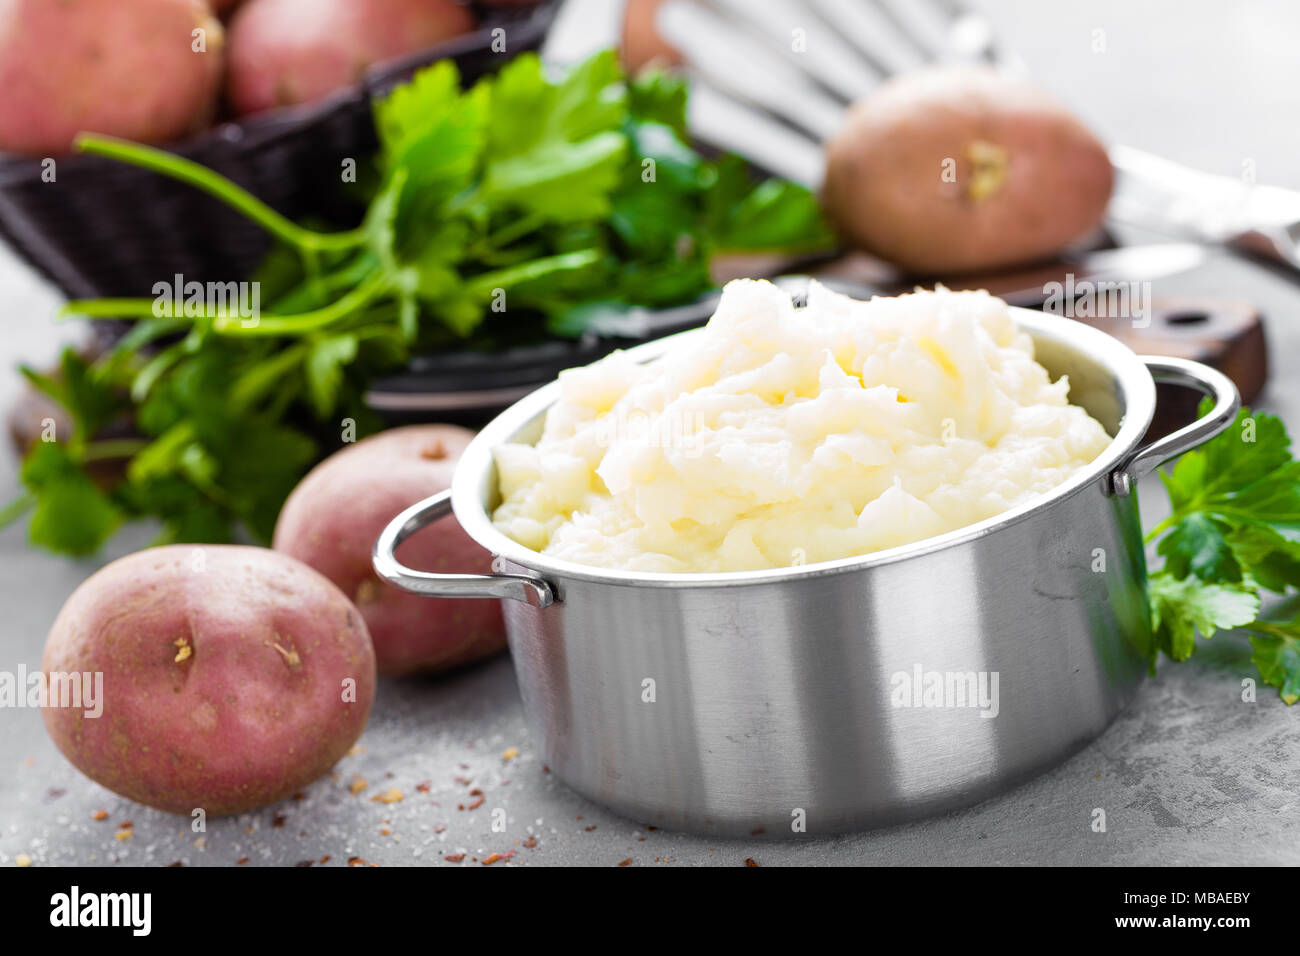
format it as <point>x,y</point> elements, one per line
<point>476,468</point>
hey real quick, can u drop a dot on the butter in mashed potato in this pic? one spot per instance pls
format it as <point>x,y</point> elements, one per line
<point>780,436</point>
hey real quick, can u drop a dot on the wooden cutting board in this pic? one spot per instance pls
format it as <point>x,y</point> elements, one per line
<point>1225,334</point>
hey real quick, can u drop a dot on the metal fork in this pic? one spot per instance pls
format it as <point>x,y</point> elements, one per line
<point>773,92</point>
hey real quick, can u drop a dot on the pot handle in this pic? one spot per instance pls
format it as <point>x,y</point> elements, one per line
<point>516,587</point>
<point>1177,371</point>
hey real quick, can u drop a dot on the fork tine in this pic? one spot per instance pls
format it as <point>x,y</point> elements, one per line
<point>923,33</point>
<point>797,32</point>
<point>721,122</point>
<point>743,68</point>
<point>876,38</point>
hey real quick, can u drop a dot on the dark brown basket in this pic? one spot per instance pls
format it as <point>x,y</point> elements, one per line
<point>103,228</point>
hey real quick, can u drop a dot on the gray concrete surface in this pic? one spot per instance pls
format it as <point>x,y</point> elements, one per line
<point>1190,774</point>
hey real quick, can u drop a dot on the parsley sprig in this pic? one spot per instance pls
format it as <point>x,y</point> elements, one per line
<point>1233,533</point>
<point>519,209</point>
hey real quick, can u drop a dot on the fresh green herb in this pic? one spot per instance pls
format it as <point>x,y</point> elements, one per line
<point>512,211</point>
<point>1234,530</point>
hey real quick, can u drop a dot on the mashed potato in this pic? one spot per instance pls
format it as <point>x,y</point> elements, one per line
<point>782,436</point>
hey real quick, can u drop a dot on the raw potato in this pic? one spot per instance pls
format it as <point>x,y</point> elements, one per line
<point>642,44</point>
<point>962,169</point>
<point>331,522</point>
<point>284,52</point>
<point>225,674</point>
<point>105,66</point>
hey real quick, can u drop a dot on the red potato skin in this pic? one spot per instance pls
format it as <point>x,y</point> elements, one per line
<point>334,516</point>
<point>104,66</point>
<point>238,724</point>
<point>642,44</point>
<point>885,194</point>
<point>285,52</point>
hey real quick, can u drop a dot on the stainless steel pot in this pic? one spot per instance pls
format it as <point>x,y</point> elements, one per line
<point>849,693</point>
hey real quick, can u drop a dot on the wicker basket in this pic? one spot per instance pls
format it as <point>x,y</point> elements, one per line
<point>103,228</point>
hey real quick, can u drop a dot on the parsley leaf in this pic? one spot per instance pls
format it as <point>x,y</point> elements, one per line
<point>1277,655</point>
<point>1183,607</point>
<point>71,515</point>
<point>516,208</point>
<point>1234,528</point>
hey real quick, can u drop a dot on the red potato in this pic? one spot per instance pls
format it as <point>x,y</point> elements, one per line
<point>331,522</point>
<point>284,52</point>
<point>232,677</point>
<point>642,43</point>
<point>964,169</point>
<point>105,66</point>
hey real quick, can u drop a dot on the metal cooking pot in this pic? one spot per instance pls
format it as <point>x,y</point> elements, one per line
<point>849,693</point>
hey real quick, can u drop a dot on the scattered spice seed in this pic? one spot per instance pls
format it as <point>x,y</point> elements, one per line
<point>627,862</point>
<point>325,859</point>
<point>750,861</point>
<point>478,802</point>
<point>23,860</point>
<point>531,842</point>
<point>99,815</point>
<point>510,754</point>
<point>121,836</point>
<point>356,861</point>
<point>278,820</point>
<point>241,861</point>
<point>391,795</point>
<point>424,786</point>
<point>454,857</point>
<point>357,785</point>
<point>497,857</point>
<point>303,863</point>
<point>440,828</point>
<point>590,828</point>
<point>175,863</point>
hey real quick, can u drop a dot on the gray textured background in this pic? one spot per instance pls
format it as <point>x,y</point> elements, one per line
<point>1188,775</point>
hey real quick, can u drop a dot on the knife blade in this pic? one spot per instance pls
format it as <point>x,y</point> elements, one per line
<point>1032,286</point>
<point>1026,287</point>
